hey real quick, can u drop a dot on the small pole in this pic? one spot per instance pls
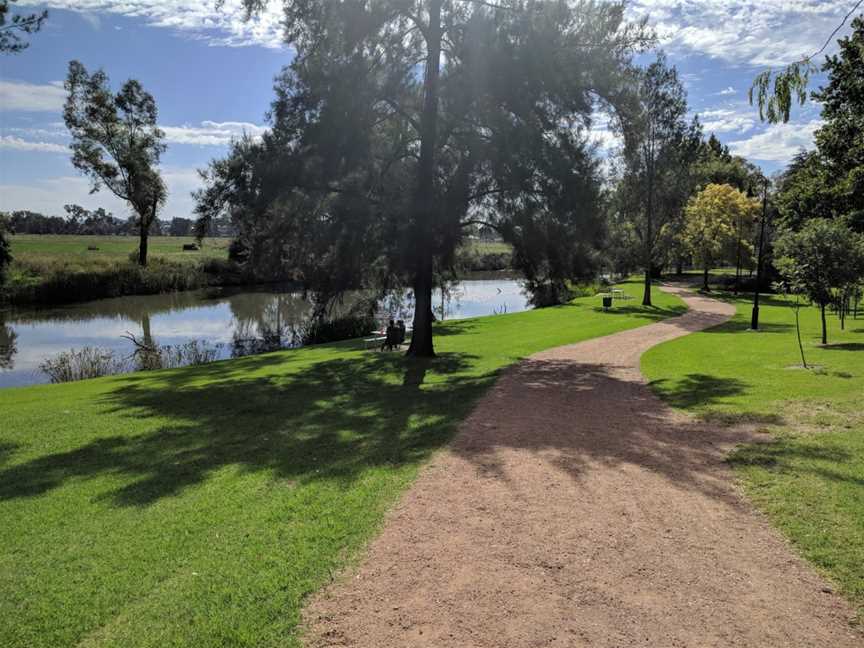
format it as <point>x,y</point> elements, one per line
<point>754,319</point>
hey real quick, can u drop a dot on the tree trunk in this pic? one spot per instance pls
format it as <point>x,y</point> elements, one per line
<point>646,296</point>
<point>824,324</point>
<point>705,285</point>
<point>142,244</point>
<point>679,267</point>
<point>424,207</point>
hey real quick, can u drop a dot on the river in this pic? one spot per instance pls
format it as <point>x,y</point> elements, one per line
<point>217,316</point>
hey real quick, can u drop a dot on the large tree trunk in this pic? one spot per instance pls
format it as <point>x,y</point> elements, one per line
<point>646,295</point>
<point>705,285</point>
<point>424,207</point>
<point>824,324</point>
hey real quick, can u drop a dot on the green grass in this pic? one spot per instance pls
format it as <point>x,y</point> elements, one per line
<point>810,480</point>
<point>199,506</point>
<point>56,269</point>
<point>117,248</point>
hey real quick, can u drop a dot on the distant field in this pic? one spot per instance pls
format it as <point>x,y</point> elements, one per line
<point>490,247</point>
<point>74,248</point>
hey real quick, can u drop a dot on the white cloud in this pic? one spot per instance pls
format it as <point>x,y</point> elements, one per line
<point>727,91</point>
<point>743,31</point>
<point>31,97</point>
<point>18,144</point>
<point>198,18</point>
<point>725,120</point>
<point>211,133</point>
<point>777,143</point>
<point>49,195</point>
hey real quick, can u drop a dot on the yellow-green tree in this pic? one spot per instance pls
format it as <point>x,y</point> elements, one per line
<point>710,223</point>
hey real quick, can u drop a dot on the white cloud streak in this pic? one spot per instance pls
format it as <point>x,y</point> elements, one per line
<point>31,97</point>
<point>743,31</point>
<point>211,133</point>
<point>18,144</point>
<point>777,143</point>
<point>198,18</point>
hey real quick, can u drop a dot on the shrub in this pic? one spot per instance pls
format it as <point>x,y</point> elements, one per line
<point>81,364</point>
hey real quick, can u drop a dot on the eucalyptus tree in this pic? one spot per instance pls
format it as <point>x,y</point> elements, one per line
<point>14,26</point>
<point>400,123</point>
<point>661,147</point>
<point>116,143</point>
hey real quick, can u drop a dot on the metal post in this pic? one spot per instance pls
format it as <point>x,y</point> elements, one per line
<point>754,319</point>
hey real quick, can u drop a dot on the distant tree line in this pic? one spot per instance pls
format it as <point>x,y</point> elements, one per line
<point>99,222</point>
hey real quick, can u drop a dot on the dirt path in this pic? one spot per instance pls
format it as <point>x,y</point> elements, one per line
<point>576,509</point>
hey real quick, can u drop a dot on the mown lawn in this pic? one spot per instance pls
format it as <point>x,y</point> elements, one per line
<point>810,480</point>
<point>73,249</point>
<point>198,507</point>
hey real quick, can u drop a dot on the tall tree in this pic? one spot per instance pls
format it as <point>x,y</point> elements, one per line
<point>840,140</point>
<point>116,143</point>
<point>13,27</point>
<point>389,150</point>
<point>661,147</point>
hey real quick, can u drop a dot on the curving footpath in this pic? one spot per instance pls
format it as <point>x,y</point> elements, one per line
<point>574,508</point>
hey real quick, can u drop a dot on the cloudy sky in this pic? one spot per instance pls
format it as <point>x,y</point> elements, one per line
<point>211,74</point>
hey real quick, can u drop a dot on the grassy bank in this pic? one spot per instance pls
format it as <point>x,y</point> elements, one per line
<point>810,480</point>
<point>199,506</point>
<point>61,269</point>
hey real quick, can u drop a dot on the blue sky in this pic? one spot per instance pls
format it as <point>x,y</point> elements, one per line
<point>211,74</point>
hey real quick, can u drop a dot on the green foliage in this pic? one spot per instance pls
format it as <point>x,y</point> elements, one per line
<point>840,140</point>
<point>821,260</point>
<point>716,219</point>
<point>661,147</point>
<point>116,142</point>
<point>202,506</point>
<point>12,27</point>
<point>774,90</point>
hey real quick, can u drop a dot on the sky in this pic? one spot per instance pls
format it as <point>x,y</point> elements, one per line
<point>211,74</point>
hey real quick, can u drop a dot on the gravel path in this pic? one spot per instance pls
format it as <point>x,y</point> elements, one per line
<point>575,509</point>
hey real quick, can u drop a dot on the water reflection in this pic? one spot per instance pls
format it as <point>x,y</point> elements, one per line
<point>226,317</point>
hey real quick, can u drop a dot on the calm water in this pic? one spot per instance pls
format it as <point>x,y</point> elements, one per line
<point>27,337</point>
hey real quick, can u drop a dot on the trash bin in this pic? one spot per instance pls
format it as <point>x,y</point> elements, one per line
<point>607,302</point>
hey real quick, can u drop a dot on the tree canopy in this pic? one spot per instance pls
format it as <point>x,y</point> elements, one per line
<point>400,125</point>
<point>14,26</point>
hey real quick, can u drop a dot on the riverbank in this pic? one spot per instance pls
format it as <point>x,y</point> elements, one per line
<point>58,269</point>
<point>201,506</point>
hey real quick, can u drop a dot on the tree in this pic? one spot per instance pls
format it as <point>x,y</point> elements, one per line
<point>384,151</point>
<point>5,248</point>
<point>840,140</point>
<point>116,143</point>
<point>821,260</point>
<point>661,146</point>
<point>711,217</point>
<point>11,40</point>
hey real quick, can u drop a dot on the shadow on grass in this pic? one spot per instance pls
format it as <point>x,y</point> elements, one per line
<point>330,420</point>
<point>697,390</point>
<point>846,346</point>
<point>797,455</point>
